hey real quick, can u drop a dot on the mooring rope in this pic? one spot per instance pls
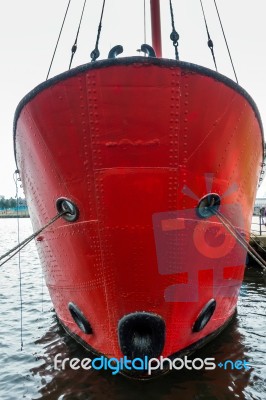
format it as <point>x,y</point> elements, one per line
<point>239,238</point>
<point>12,252</point>
<point>256,240</point>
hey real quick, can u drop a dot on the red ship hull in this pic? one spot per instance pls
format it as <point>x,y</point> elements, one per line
<point>136,143</point>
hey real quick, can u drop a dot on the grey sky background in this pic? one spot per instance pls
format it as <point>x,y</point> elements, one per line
<point>29,30</point>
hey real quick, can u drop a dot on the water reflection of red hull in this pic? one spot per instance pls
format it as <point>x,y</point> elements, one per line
<point>129,141</point>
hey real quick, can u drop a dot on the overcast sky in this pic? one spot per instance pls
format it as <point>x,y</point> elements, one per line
<point>29,30</point>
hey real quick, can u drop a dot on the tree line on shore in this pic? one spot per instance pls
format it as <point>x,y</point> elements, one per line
<point>11,203</point>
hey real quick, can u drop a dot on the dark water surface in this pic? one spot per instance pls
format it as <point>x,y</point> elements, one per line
<point>30,374</point>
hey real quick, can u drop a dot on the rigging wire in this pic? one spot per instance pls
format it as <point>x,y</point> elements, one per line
<point>95,53</point>
<point>58,39</point>
<point>210,42</point>
<point>229,53</point>
<point>16,179</point>
<point>174,36</point>
<point>75,45</point>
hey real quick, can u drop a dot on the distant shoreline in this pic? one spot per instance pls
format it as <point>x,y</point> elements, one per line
<point>14,214</point>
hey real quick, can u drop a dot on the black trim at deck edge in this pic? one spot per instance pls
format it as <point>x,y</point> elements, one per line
<point>161,62</point>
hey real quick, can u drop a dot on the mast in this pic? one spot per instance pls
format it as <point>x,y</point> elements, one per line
<point>156,27</point>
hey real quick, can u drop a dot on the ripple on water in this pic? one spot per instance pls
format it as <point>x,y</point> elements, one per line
<point>29,374</point>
